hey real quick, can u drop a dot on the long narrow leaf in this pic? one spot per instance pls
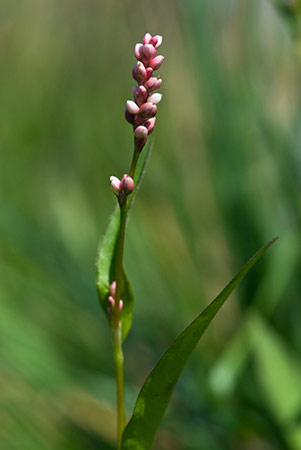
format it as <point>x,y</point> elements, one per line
<point>156,392</point>
<point>106,257</point>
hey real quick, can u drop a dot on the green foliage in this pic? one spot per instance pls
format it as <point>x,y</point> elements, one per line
<point>158,387</point>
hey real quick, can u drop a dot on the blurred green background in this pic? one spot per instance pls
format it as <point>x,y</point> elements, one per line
<point>223,179</point>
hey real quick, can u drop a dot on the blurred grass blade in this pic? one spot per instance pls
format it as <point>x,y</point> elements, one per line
<point>278,371</point>
<point>156,392</point>
<point>106,257</point>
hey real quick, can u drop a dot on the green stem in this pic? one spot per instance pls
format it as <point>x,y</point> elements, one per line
<point>116,324</point>
<point>134,163</point>
<point>116,327</point>
<point>118,361</point>
<point>119,259</point>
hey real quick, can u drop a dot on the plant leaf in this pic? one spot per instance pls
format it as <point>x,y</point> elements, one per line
<point>106,256</point>
<point>156,392</point>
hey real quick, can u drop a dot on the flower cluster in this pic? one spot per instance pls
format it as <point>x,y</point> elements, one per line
<point>141,112</point>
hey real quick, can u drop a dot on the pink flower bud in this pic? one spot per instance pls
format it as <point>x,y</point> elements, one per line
<point>128,116</point>
<point>154,98</point>
<point>149,72</point>
<point>153,84</point>
<point>140,94</point>
<point>148,51</point>
<point>141,132</point>
<point>111,301</point>
<point>148,110</point>
<point>139,72</point>
<point>120,305</point>
<point>127,184</point>
<point>132,107</point>
<point>113,289</point>
<point>115,184</point>
<point>137,51</point>
<point>156,41</point>
<point>156,62</point>
<point>150,124</point>
<point>147,38</point>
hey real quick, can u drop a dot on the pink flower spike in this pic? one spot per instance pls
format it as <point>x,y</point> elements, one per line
<point>147,38</point>
<point>137,51</point>
<point>115,184</point>
<point>127,184</point>
<point>140,94</point>
<point>120,305</point>
<point>141,132</point>
<point>155,98</point>
<point>150,124</point>
<point>113,289</point>
<point>132,107</point>
<point>156,62</point>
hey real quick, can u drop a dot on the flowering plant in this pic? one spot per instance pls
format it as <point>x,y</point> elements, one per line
<point>114,289</point>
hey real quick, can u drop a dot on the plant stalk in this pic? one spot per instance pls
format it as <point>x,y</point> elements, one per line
<point>118,361</point>
<point>116,327</point>
<point>116,324</point>
<point>134,163</point>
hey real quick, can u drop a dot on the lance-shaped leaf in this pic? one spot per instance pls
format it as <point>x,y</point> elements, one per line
<point>155,394</point>
<point>106,256</point>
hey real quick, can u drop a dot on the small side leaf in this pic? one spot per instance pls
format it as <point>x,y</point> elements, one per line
<point>156,392</point>
<point>106,256</point>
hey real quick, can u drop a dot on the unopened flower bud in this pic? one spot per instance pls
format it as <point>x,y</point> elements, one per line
<point>139,72</point>
<point>155,98</point>
<point>149,72</point>
<point>147,38</point>
<point>140,94</point>
<point>113,289</point>
<point>150,124</point>
<point>132,107</point>
<point>138,51</point>
<point>111,301</point>
<point>140,132</point>
<point>120,305</point>
<point>153,84</point>
<point>156,41</point>
<point>127,184</point>
<point>156,62</point>
<point>148,51</point>
<point>148,110</point>
<point>115,184</point>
